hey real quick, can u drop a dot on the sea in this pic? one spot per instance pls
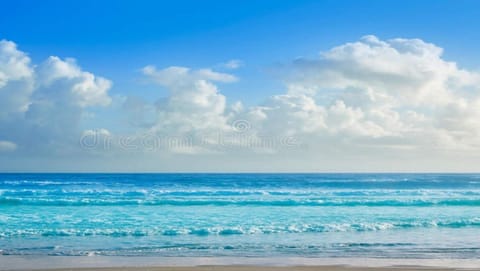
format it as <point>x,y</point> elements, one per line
<point>394,216</point>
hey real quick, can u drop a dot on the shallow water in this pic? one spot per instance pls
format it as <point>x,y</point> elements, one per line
<point>237,215</point>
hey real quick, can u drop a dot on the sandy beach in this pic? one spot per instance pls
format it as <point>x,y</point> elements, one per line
<point>61,263</point>
<point>262,268</point>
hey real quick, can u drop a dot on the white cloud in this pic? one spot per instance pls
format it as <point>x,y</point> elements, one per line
<point>7,146</point>
<point>233,64</point>
<point>409,70</point>
<point>84,87</point>
<point>288,114</point>
<point>14,64</point>
<point>399,88</point>
<point>41,106</point>
<point>194,104</point>
<point>101,132</point>
<point>178,76</point>
<point>16,79</point>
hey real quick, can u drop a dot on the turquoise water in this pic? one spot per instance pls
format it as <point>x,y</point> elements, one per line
<point>241,215</point>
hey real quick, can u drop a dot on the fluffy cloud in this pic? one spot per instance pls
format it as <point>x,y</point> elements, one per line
<point>14,64</point>
<point>82,87</point>
<point>399,88</point>
<point>42,106</point>
<point>16,79</point>
<point>409,71</point>
<point>194,104</point>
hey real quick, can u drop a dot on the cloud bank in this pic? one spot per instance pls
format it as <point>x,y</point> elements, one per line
<point>399,91</point>
<point>359,99</point>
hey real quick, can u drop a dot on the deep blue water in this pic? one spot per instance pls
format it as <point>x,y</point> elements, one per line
<point>254,215</point>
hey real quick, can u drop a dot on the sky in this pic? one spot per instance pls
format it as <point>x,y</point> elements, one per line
<point>239,86</point>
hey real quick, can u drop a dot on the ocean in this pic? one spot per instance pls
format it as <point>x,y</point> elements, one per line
<point>418,216</point>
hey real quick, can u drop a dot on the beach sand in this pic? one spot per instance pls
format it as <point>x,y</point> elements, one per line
<point>261,268</point>
<point>62,263</point>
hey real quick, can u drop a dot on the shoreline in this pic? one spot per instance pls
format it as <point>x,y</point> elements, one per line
<point>112,263</point>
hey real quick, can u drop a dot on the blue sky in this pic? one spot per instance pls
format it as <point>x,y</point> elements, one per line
<point>116,40</point>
